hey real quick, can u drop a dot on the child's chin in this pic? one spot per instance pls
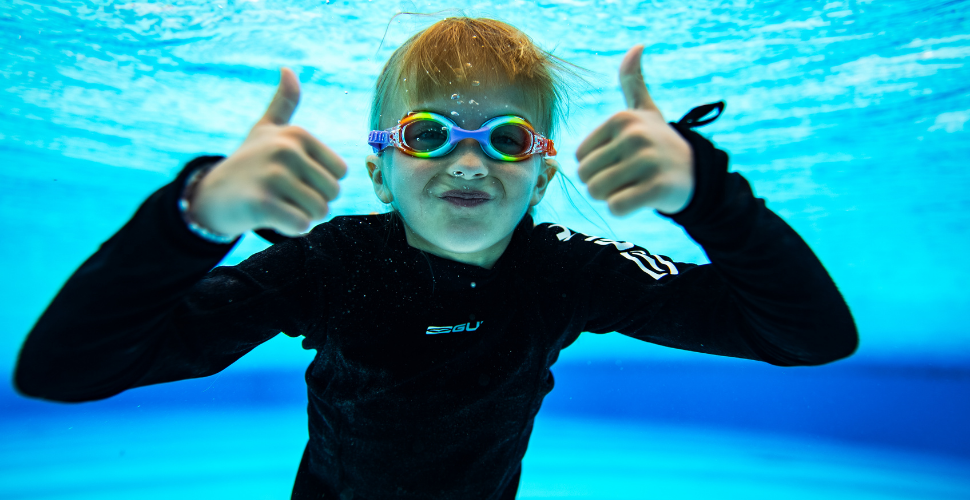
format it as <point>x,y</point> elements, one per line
<point>466,245</point>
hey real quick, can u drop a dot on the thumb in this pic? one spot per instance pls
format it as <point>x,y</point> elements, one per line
<point>284,103</point>
<point>631,81</point>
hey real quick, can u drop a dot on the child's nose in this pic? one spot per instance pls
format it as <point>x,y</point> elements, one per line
<point>470,161</point>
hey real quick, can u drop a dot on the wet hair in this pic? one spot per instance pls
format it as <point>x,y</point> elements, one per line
<point>458,53</point>
<point>462,52</point>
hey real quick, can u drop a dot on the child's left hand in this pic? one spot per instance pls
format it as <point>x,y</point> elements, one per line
<point>636,159</point>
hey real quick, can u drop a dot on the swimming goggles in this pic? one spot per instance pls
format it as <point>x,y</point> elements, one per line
<point>429,135</point>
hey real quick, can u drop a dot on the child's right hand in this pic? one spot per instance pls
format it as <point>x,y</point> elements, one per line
<point>280,178</point>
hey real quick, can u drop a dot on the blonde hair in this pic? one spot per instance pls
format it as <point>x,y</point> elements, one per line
<point>460,52</point>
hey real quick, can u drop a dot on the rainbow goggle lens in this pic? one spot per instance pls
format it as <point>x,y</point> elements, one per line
<point>430,135</point>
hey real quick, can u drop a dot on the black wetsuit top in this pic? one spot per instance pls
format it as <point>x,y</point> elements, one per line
<point>428,372</point>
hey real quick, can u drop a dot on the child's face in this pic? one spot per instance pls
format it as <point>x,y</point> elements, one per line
<point>428,192</point>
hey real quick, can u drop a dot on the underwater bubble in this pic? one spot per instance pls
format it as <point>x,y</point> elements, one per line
<point>345,92</point>
<point>455,96</point>
<point>461,102</point>
<point>454,113</point>
<point>472,101</point>
<point>476,83</point>
<point>473,284</point>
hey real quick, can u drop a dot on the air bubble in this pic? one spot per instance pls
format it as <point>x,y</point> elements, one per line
<point>473,102</point>
<point>476,83</point>
<point>461,102</point>
<point>455,96</point>
<point>454,113</point>
<point>473,284</point>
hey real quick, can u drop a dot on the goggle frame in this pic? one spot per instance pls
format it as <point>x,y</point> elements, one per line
<point>394,136</point>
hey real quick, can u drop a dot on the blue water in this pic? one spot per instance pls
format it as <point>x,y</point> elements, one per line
<point>849,118</point>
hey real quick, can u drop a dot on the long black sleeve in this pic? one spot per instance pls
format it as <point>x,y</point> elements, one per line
<point>143,310</point>
<point>765,295</point>
<point>793,310</point>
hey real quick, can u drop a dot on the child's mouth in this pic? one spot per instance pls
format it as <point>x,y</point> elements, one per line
<point>464,198</point>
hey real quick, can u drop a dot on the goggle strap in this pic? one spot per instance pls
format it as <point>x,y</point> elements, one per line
<point>548,147</point>
<point>379,140</point>
<point>542,145</point>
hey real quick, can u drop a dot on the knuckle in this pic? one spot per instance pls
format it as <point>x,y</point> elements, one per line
<point>321,211</point>
<point>618,207</point>
<point>635,138</point>
<point>284,146</point>
<point>326,189</point>
<point>264,204</point>
<point>275,174</point>
<point>257,211</point>
<point>645,161</point>
<point>295,131</point>
<point>624,117</point>
<point>293,222</point>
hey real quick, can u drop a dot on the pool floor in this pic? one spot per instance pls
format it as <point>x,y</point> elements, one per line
<point>201,454</point>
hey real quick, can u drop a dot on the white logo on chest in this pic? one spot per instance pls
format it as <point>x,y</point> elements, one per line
<point>467,327</point>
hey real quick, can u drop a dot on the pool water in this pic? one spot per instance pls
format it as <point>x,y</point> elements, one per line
<point>850,118</point>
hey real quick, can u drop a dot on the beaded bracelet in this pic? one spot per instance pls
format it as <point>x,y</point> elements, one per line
<point>196,229</point>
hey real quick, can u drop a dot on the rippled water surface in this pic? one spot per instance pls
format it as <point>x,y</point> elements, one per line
<point>850,118</point>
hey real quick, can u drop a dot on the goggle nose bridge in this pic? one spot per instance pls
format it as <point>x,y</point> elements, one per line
<point>458,134</point>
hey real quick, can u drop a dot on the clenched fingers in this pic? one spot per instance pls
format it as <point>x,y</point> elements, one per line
<point>637,169</point>
<point>628,199</point>
<point>624,143</point>
<point>292,190</point>
<point>623,129</point>
<point>597,139</point>
<point>310,171</point>
<point>283,217</point>
<point>321,153</point>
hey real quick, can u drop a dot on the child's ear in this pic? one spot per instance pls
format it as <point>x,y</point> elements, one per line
<point>375,164</point>
<point>547,171</point>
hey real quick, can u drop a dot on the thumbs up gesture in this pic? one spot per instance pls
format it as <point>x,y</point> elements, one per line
<point>636,159</point>
<point>280,178</point>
